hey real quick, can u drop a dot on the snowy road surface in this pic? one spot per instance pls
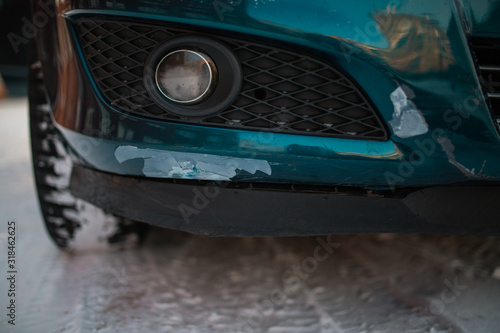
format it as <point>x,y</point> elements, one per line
<point>182,283</point>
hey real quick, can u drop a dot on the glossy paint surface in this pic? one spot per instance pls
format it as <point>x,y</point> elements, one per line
<point>412,59</point>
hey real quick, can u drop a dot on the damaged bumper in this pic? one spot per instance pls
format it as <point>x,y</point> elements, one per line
<point>440,127</point>
<point>415,64</point>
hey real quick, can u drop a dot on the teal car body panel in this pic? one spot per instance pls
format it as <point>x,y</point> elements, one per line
<point>461,143</point>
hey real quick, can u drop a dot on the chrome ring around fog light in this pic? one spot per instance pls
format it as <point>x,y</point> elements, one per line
<point>186,76</point>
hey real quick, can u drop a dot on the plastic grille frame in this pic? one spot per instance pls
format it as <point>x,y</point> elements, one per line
<point>282,91</point>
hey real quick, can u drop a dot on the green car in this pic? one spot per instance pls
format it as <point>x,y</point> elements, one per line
<point>264,118</point>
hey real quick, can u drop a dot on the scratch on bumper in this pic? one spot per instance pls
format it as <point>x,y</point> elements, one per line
<point>172,164</point>
<point>407,120</point>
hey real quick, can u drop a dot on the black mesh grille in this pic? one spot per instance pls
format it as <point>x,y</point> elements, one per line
<point>488,59</point>
<point>282,91</point>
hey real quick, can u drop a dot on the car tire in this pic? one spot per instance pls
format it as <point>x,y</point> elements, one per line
<point>73,224</point>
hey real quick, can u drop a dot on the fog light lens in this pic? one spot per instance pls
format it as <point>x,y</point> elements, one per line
<point>186,76</point>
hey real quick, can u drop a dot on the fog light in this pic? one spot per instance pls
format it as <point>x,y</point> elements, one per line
<point>192,76</point>
<point>186,76</point>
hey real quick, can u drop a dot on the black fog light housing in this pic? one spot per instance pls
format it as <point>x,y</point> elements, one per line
<point>192,76</point>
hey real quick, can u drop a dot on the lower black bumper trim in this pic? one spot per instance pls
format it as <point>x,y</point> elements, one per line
<point>216,210</point>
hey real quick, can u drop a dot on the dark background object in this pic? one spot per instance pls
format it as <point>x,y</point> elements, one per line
<point>13,64</point>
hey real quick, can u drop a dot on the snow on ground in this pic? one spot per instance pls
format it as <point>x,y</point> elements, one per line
<point>182,283</point>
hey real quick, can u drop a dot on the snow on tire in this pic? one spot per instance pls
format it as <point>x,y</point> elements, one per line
<point>72,223</point>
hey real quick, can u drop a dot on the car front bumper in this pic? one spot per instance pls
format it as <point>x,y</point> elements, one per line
<point>450,139</point>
